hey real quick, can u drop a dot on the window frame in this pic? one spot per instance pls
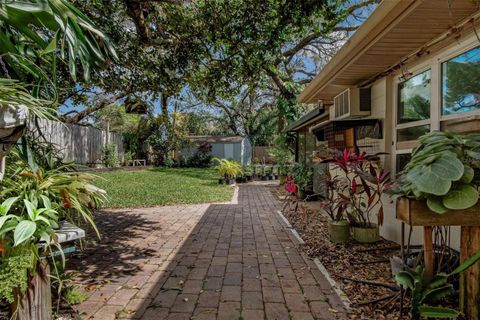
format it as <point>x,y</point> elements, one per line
<point>434,63</point>
<point>397,97</point>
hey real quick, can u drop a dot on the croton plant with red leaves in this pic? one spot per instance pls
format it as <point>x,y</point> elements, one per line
<point>356,188</point>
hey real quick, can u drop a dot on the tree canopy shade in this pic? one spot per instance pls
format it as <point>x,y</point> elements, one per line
<point>217,47</point>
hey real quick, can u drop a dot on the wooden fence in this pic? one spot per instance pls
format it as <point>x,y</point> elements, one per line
<point>262,154</point>
<point>80,144</point>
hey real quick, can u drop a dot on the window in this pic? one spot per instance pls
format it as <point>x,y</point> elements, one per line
<point>461,83</point>
<point>412,133</point>
<point>414,98</point>
<point>402,161</point>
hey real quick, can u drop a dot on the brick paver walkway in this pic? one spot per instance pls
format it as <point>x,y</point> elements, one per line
<point>217,261</point>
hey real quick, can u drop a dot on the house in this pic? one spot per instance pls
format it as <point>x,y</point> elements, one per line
<point>237,148</point>
<point>411,68</point>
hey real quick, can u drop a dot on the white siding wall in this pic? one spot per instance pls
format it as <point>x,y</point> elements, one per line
<point>383,107</point>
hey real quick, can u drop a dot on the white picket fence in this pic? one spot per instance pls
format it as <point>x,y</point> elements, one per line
<point>80,144</point>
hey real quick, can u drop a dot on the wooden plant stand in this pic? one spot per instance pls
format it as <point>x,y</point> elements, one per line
<point>416,213</point>
<point>36,303</point>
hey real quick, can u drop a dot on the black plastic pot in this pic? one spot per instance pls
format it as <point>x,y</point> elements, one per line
<point>221,181</point>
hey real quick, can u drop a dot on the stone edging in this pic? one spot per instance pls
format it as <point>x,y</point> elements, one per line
<point>235,195</point>
<point>343,297</point>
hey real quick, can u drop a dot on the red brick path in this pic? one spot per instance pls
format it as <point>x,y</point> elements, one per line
<point>217,261</point>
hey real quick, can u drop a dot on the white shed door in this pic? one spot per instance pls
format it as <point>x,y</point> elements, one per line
<point>228,150</point>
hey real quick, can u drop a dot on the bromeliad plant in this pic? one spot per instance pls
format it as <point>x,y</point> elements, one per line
<point>442,171</point>
<point>426,294</point>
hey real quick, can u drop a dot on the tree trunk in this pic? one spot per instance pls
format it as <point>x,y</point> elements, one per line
<point>280,122</point>
<point>164,106</point>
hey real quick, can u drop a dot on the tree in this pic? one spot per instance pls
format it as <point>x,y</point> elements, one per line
<point>271,44</point>
<point>158,46</point>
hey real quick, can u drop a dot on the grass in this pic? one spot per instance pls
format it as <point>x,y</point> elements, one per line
<point>162,186</point>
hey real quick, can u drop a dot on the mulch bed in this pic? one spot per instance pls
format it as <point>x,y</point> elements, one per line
<point>365,262</point>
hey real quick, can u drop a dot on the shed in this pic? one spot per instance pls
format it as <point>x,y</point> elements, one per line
<point>238,148</point>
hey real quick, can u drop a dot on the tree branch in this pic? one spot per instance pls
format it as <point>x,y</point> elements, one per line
<point>88,111</point>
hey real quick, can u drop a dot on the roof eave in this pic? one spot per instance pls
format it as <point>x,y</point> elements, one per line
<point>377,24</point>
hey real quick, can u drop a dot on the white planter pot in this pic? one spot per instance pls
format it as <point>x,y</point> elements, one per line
<point>12,119</point>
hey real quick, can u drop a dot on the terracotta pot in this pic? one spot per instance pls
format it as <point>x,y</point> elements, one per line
<point>368,234</point>
<point>339,231</point>
<point>2,249</point>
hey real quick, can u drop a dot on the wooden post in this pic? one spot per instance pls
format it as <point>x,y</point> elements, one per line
<point>2,167</point>
<point>429,256</point>
<point>36,303</point>
<point>470,278</point>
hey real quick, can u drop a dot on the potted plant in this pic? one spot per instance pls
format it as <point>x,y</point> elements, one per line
<point>303,178</point>
<point>275,172</point>
<point>248,172</point>
<point>443,173</point>
<point>338,225</point>
<point>361,184</point>
<point>270,173</point>
<point>263,173</point>
<point>221,167</point>
<point>281,156</point>
<point>228,170</point>
<point>35,197</point>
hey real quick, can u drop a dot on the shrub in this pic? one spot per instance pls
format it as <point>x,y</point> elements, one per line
<point>169,162</point>
<point>202,157</point>
<point>128,157</point>
<point>110,155</point>
<point>73,296</point>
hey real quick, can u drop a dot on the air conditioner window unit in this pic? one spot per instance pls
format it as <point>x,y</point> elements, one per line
<point>351,103</point>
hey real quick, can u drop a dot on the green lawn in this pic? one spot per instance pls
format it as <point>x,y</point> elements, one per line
<point>162,186</point>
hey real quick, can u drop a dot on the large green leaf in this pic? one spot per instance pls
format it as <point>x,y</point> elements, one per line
<point>448,167</point>
<point>438,312</point>
<point>427,181</point>
<point>468,174</point>
<point>436,294</point>
<point>436,205</point>
<point>23,232</point>
<point>461,197</point>
<point>405,279</point>
<point>467,264</point>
